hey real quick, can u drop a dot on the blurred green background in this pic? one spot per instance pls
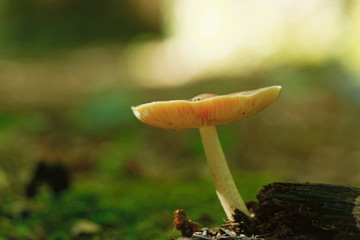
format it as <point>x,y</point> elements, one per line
<point>71,70</point>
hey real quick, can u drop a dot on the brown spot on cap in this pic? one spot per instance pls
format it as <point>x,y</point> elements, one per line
<point>203,96</point>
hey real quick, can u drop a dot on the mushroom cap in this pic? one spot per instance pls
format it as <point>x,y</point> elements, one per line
<point>206,109</point>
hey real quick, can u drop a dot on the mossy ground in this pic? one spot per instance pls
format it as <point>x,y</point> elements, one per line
<point>124,208</point>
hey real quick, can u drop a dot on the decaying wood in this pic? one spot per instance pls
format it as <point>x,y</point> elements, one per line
<point>183,224</point>
<point>296,211</point>
<point>314,211</point>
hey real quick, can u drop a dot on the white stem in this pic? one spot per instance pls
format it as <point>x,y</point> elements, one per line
<point>225,187</point>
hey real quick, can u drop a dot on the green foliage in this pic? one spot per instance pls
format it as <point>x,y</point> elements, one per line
<point>104,112</point>
<point>28,27</point>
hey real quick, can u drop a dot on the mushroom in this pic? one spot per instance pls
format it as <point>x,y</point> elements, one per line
<point>204,112</point>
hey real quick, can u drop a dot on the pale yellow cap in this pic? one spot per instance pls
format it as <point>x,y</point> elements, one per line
<point>206,109</point>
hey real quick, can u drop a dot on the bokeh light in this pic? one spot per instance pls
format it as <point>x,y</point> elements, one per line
<point>212,38</point>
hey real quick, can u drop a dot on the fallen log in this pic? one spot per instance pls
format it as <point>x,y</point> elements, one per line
<point>296,211</point>
<point>308,210</point>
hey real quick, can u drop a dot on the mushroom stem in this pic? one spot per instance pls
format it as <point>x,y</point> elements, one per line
<point>226,190</point>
